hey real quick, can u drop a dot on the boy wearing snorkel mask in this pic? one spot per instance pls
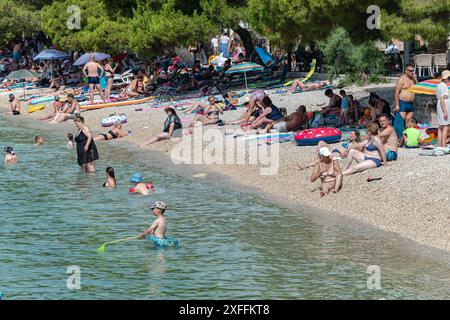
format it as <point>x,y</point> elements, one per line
<point>10,155</point>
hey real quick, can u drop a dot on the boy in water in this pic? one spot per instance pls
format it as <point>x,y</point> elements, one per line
<point>139,186</point>
<point>10,155</point>
<point>158,228</point>
<point>38,140</point>
<point>69,141</point>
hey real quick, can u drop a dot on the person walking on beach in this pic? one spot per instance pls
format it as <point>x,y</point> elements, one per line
<point>14,105</point>
<point>158,227</point>
<point>443,107</point>
<point>10,155</point>
<point>404,100</point>
<point>388,137</point>
<point>224,40</point>
<point>90,70</point>
<point>86,149</point>
<point>215,45</point>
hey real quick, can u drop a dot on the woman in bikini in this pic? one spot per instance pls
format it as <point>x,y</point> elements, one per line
<point>109,71</point>
<point>135,88</point>
<point>329,172</point>
<point>211,114</point>
<point>270,114</point>
<point>373,156</point>
<point>114,133</point>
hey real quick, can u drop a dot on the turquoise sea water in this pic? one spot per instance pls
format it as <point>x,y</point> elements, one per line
<point>234,245</point>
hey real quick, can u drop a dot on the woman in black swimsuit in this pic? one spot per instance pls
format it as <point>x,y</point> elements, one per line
<point>109,71</point>
<point>86,148</point>
<point>112,134</point>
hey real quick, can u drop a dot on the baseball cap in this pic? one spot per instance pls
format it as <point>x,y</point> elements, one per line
<point>136,177</point>
<point>324,152</point>
<point>159,205</point>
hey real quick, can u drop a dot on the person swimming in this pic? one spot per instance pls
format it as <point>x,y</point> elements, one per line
<point>110,178</point>
<point>10,155</point>
<point>39,140</point>
<point>70,142</point>
<point>139,186</point>
<point>158,227</point>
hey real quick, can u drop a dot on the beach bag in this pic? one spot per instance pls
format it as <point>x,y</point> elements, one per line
<point>111,120</point>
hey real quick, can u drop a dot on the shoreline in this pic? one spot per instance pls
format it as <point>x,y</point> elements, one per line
<point>405,221</point>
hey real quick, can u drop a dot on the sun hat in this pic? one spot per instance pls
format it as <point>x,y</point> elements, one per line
<point>170,108</point>
<point>445,74</point>
<point>159,205</point>
<point>136,177</point>
<point>324,152</point>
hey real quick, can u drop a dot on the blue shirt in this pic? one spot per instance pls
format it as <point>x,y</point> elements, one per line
<point>345,104</point>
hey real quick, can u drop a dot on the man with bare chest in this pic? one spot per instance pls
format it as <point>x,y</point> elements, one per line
<point>404,100</point>
<point>90,71</point>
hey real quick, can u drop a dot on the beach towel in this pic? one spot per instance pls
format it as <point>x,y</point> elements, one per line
<point>399,125</point>
<point>330,120</point>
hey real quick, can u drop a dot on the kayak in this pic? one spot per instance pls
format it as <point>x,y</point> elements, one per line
<point>116,104</point>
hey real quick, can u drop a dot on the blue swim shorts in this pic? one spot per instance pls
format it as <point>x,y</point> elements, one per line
<point>391,155</point>
<point>406,106</point>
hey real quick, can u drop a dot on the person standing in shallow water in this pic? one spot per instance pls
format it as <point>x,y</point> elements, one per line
<point>86,149</point>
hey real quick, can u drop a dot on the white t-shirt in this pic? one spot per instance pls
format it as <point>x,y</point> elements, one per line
<point>224,39</point>
<point>215,42</point>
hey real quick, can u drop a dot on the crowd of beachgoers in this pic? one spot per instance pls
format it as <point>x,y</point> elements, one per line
<point>377,129</point>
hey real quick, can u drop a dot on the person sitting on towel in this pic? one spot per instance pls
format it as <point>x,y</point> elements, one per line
<point>269,115</point>
<point>334,106</point>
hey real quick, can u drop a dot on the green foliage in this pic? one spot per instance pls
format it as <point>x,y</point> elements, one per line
<point>337,49</point>
<point>98,32</point>
<point>361,63</point>
<point>154,30</point>
<point>430,19</point>
<point>17,18</point>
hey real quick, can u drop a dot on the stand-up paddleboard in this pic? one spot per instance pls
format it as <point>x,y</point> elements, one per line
<point>116,104</point>
<point>265,57</point>
<point>51,99</point>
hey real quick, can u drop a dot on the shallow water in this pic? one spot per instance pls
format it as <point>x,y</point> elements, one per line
<point>53,216</point>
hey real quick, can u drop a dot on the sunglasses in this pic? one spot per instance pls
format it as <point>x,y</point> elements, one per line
<point>410,70</point>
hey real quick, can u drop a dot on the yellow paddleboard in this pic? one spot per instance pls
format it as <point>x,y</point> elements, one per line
<point>36,108</point>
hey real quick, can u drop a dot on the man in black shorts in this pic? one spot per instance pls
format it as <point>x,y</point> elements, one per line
<point>90,71</point>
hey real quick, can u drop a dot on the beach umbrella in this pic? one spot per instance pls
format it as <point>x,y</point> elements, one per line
<point>98,56</point>
<point>22,74</point>
<point>51,54</point>
<point>427,87</point>
<point>244,68</point>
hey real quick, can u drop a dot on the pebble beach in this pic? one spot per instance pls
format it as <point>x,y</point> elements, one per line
<point>411,200</point>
